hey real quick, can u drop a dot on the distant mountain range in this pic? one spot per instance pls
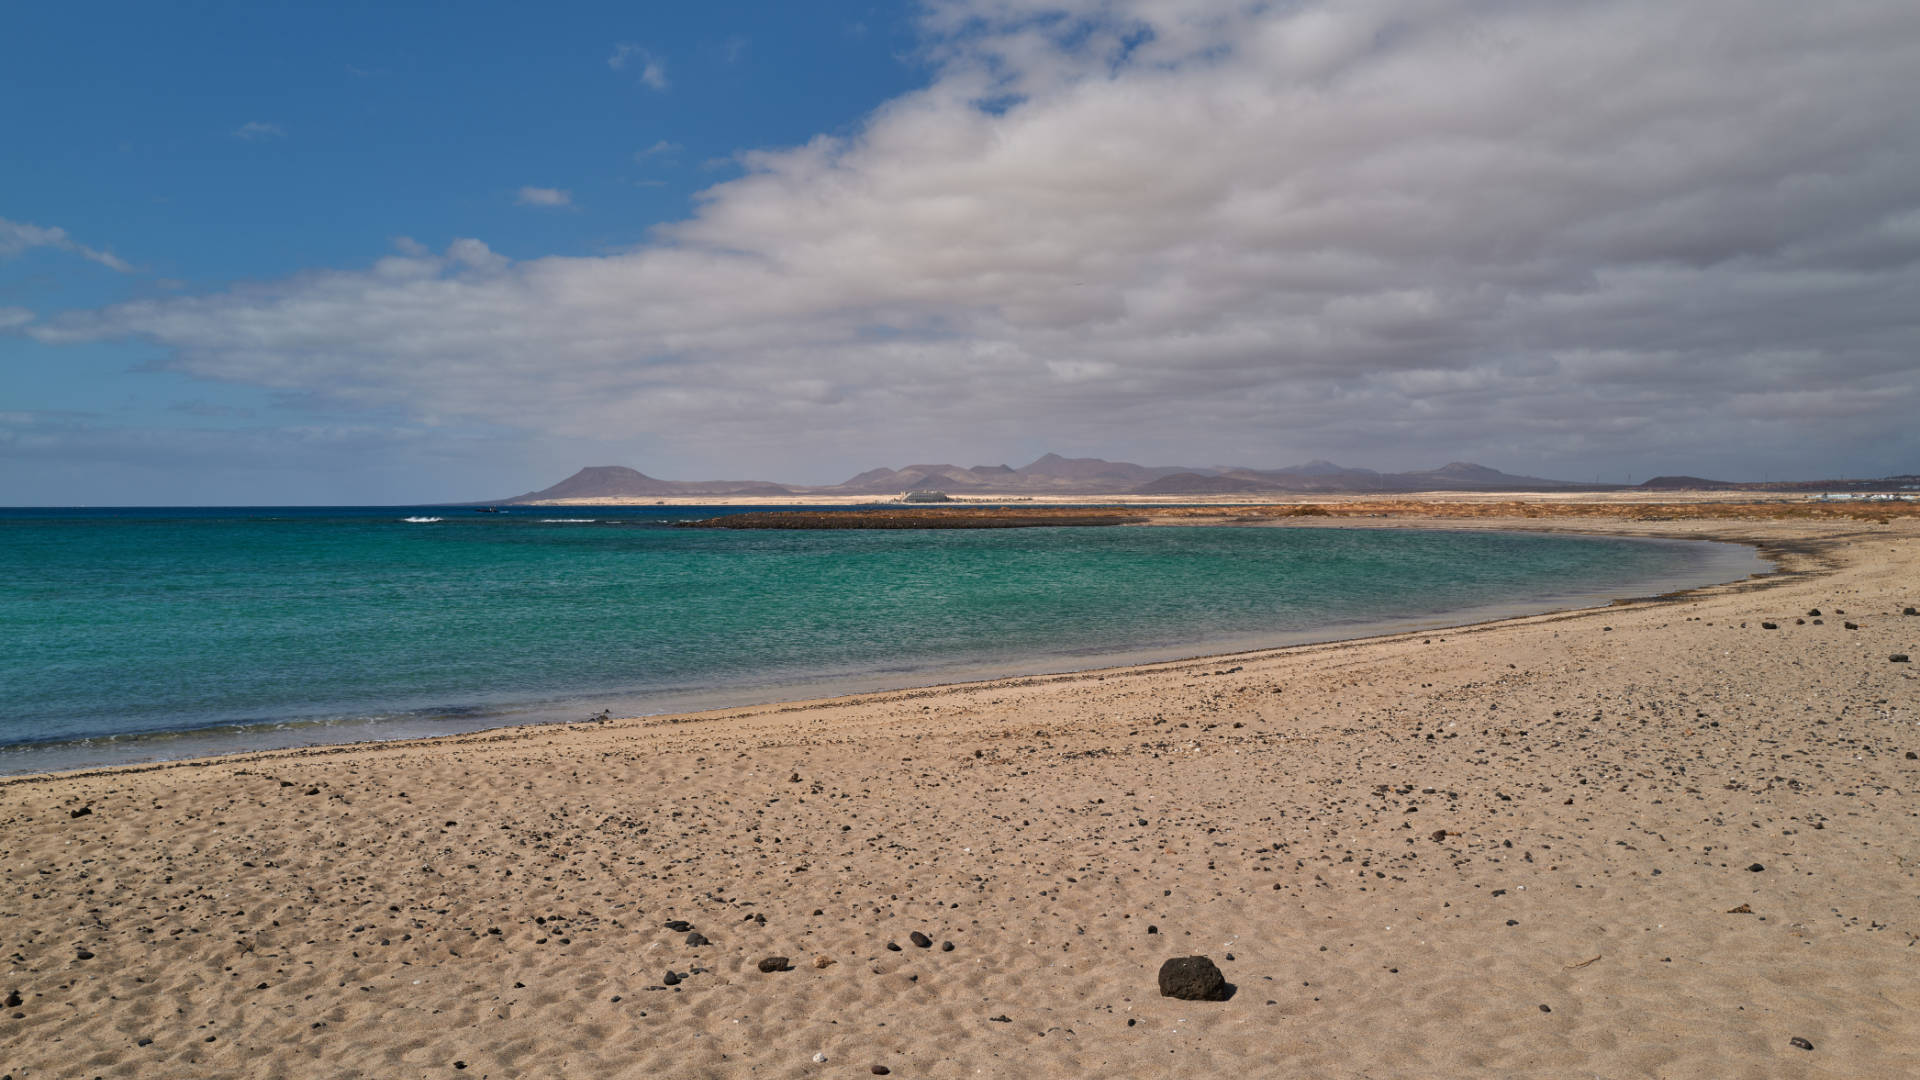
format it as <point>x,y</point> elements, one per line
<point>1056,475</point>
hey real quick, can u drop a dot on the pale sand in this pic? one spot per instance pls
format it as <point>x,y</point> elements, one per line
<point>333,913</point>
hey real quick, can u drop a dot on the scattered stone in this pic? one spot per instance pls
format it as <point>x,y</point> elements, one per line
<point>82,954</point>
<point>13,999</point>
<point>920,940</point>
<point>670,979</point>
<point>893,946</point>
<point>1813,611</point>
<point>1909,611</point>
<point>697,939</point>
<point>1797,1040</point>
<point>819,1059</point>
<point>1899,658</point>
<point>1003,1019</point>
<point>1439,835</point>
<point>1911,756</point>
<point>1851,625</point>
<point>1756,868</point>
<point>82,812</point>
<point>1193,978</point>
<point>1153,929</point>
<point>947,946</point>
<point>1769,626</point>
<point>679,926</point>
<point>823,961</point>
<point>1544,1009</point>
<point>1743,909</point>
<point>775,963</point>
<point>880,1070</point>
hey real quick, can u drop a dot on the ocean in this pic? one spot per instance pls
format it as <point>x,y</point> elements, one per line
<point>130,635</point>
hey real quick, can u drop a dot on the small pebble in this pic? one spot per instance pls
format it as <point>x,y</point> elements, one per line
<point>1797,1040</point>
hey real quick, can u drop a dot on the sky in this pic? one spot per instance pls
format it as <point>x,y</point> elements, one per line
<point>257,253</point>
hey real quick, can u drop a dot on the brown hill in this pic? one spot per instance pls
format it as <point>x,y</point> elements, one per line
<point>620,482</point>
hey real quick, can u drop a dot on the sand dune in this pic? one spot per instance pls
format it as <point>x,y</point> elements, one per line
<point>1649,840</point>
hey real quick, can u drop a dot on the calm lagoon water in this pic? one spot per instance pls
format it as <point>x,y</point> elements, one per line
<point>134,634</point>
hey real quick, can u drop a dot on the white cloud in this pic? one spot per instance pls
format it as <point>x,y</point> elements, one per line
<point>17,236</point>
<point>254,130</point>
<point>1194,230</point>
<point>544,196</point>
<point>653,70</point>
<point>662,148</point>
<point>14,317</point>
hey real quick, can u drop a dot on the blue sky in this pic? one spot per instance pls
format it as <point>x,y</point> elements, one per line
<point>247,141</point>
<point>349,253</point>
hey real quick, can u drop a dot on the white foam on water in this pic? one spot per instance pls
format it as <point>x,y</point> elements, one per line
<point>422,520</point>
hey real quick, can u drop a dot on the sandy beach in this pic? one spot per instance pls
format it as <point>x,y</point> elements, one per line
<point>1665,838</point>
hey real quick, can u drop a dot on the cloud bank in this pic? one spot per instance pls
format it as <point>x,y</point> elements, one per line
<point>1535,232</point>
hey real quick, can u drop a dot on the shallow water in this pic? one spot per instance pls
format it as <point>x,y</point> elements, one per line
<point>167,633</point>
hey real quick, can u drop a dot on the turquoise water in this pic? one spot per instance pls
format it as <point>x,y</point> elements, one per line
<point>122,632</point>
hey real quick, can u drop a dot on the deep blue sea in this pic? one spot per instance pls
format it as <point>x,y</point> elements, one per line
<point>135,634</point>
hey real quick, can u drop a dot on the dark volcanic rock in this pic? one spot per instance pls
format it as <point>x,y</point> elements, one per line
<point>82,812</point>
<point>774,963</point>
<point>1193,978</point>
<point>1899,658</point>
<point>696,940</point>
<point>920,939</point>
<point>679,926</point>
<point>1800,1042</point>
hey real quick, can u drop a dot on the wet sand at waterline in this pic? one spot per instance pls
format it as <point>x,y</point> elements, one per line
<point>1655,839</point>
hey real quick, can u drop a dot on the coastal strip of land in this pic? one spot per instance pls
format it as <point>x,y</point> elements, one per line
<point>1674,837</point>
<point>1521,512</point>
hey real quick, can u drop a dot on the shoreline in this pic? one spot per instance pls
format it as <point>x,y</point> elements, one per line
<point>207,741</point>
<point>1652,838</point>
